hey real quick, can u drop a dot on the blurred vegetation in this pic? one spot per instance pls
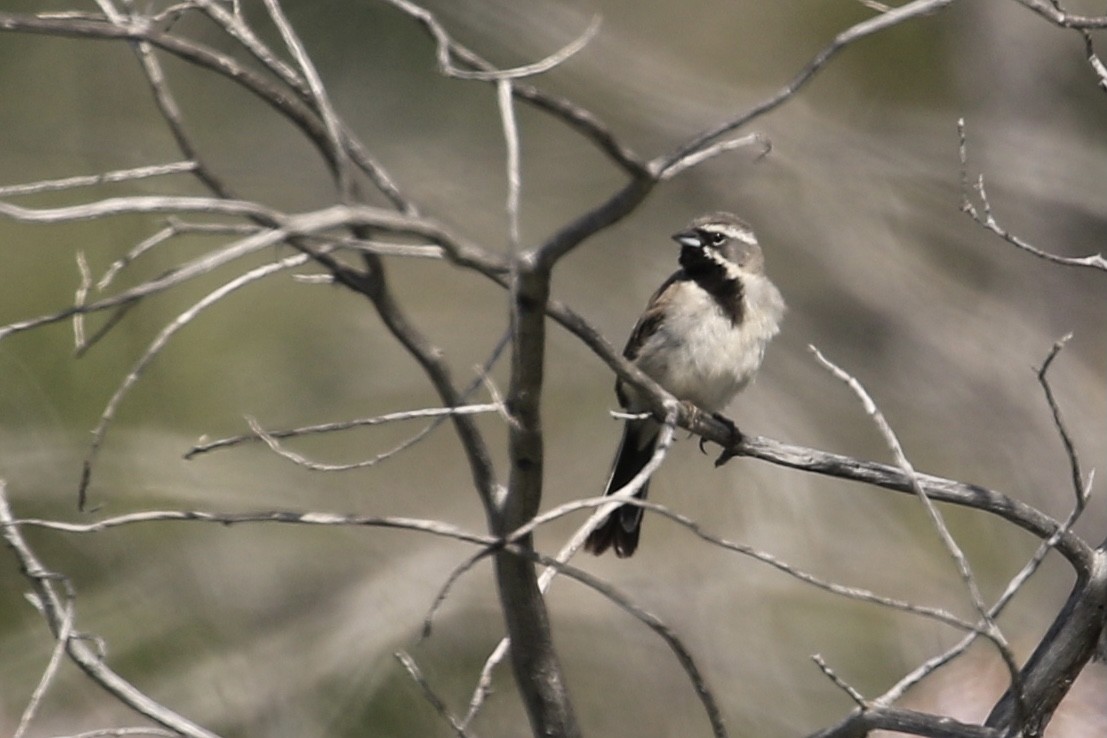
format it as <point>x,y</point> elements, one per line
<point>282,631</point>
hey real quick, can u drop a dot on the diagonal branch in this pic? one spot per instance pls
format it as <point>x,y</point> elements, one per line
<point>867,27</point>
<point>85,656</point>
<point>983,217</point>
<point>990,630</point>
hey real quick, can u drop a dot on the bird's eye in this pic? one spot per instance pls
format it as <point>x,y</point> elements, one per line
<point>713,238</point>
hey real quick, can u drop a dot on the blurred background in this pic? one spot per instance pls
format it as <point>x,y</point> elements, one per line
<point>290,631</point>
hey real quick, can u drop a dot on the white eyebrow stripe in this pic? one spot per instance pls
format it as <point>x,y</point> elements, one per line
<point>745,235</point>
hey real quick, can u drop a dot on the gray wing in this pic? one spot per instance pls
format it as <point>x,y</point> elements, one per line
<point>648,323</point>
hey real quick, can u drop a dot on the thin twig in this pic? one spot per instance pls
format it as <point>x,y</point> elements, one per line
<point>91,662</point>
<point>991,629</point>
<point>1078,483</point>
<point>65,630</point>
<point>511,144</point>
<point>459,251</point>
<point>173,229</point>
<point>892,17</point>
<point>840,683</point>
<point>156,347</point>
<point>270,439</point>
<point>92,180</point>
<point>576,117</point>
<point>234,26</point>
<point>343,425</point>
<point>1059,17</point>
<point>443,414</point>
<point>171,114</point>
<point>1094,61</point>
<point>527,70</point>
<point>79,299</point>
<point>431,696</point>
<point>137,205</point>
<point>122,733</point>
<point>1016,583</point>
<point>854,593</point>
<point>668,635</point>
<point>283,517</point>
<point>710,152</point>
<point>983,217</point>
<point>320,100</point>
<point>444,591</point>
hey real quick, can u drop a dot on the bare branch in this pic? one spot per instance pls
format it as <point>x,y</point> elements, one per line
<point>578,118</point>
<point>854,593</point>
<point>92,180</point>
<point>1094,61</point>
<point>939,489</point>
<point>535,662</point>
<point>511,144</point>
<point>83,655</point>
<point>79,299</point>
<point>171,114</point>
<point>458,250</point>
<point>878,23</point>
<point>1067,647</point>
<point>443,592</point>
<point>683,655</point>
<point>713,150</point>
<point>445,44</point>
<point>430,695</point>
<point>285,517</point>
<point>307,430</point>
<point>493,357</point>
<point>605,505</point>
<point>862,723</point>
<point>172,230</point>
<point>137,205</point>
<point>840,683</point>
<point>1061,18</point>
<point>156,347</point>
<point>1078,483</point>
<point>991,629</point>
<point>275,446</point>
<point>1013,586</point>
<point>984,218</point>
<point>65,631</point>
<point>289,105</point>
<point>122,733</point>
<point>320,100</point>
<point>234,25</point>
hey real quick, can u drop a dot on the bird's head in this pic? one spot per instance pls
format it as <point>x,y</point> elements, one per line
<point>721,237</point>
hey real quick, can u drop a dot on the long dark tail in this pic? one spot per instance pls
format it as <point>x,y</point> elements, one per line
<point>622,527</point>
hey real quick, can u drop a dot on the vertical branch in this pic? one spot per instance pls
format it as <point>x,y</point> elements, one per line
<point>511,141</point>
<point>534,661</point>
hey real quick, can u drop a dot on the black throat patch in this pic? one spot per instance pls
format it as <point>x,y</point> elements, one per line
<point>713,278</point>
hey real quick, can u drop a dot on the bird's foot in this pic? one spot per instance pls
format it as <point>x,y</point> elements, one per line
<point>733,441</point>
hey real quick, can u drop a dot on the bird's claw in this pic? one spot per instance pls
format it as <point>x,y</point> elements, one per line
<point>733,441</point>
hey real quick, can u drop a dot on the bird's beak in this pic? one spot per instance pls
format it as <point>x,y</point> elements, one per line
<point>688,238</point>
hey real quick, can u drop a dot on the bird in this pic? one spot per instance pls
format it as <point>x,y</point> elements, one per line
<point>702,337</point>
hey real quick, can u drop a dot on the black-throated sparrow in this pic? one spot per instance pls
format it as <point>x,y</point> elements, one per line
<point>702,337</point>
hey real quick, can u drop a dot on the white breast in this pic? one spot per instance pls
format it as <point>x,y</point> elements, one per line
<point>699,355</point>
